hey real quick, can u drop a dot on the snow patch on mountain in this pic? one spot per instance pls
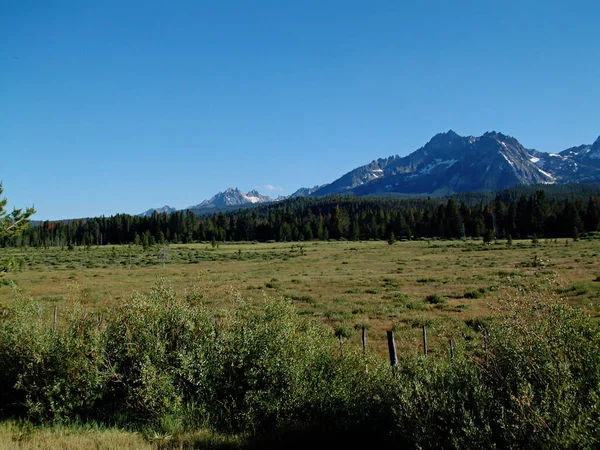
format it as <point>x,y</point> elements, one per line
<point>546,173</point>
<point>507,159</point>
<point>232,197</point>
<point>438,162</point>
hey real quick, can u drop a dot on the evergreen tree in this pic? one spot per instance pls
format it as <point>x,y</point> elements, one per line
<point>11,226</point>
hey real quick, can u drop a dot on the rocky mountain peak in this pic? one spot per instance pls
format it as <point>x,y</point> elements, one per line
<point>442,140</point>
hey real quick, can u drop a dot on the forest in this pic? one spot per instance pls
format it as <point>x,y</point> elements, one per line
<point>520,212</point>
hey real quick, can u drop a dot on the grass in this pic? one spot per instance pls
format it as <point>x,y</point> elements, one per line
<point>24,435</point>
<point>357,282</point>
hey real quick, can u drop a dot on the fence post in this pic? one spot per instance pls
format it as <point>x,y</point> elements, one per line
<point>485,343</point>
<point>424,340</point>
<point>451,349</point>
<point>216,328</point>
<point>392,348</point>
<point>364,339</point>
<point>55,317</point>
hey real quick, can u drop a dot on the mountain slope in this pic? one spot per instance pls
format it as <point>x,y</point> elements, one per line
<point>305,192</point>
<point>447,163</point>
<point>579,164</point>
<point>165,209</point>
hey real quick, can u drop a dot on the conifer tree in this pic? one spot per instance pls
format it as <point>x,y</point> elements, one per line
<point>12,224</point>
<point>15,222</point>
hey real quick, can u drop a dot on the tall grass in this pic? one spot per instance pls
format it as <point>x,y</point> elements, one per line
<point>166,366</point>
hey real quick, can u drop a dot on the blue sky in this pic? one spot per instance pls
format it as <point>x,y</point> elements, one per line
<point>113,106</point>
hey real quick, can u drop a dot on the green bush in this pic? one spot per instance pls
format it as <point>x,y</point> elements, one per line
<point>54,375</point>
<point>168,364</point>
<point>157,347</point>
<point>473,294</point>
<point>436,299</point>
<point>543,369</point>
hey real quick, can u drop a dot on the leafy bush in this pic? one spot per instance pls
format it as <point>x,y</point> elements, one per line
<point>55,375</point>
<point>473,294</point>
<point>436,299</point>
<point>166,363</point>
<point>543,369</point>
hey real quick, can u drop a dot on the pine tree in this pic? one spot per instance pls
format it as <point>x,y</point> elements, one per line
<point>392,239</point>
<point>488,236</point>
<point>12,225</point>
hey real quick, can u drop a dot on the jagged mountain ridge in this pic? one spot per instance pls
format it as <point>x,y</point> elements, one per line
<point>575,164</point>
<point>232,197</point>
<point>223,200</point>
<point>305,192</point>
<point>447,164</point>
<point>450,163</point>
<point>165,209</point>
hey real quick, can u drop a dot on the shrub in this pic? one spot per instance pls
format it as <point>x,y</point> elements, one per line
<point>54,375</point>
<point>473,293</point>
<point>157,347</point>
<point>543,369</point>
<point>165,363</point>
<point>435,299</point>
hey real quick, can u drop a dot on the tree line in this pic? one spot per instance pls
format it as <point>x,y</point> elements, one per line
<point>520,212</point>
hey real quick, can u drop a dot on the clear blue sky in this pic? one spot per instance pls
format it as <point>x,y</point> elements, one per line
<point>119,106</point>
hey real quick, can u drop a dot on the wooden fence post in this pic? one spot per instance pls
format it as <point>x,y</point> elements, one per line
<point>392,348</point>
<point>451,349</point>
<point>424,340</point>
<point>55,317</point>
<point>485,343</point>
<point>364,339</point>
<point>216,328</point>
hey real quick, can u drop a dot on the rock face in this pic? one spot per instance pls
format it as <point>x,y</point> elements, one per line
<point>231,197</point>
<point>451,163</point>
<point>579,164</point>
<point>305,192</point>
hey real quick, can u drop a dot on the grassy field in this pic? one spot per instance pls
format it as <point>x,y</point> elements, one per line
<point>445,285</point>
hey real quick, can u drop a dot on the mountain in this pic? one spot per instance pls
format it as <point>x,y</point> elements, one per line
<point>231,197</point>
<point>579,164</point>
<point>165,209</point>
<point>305,192</point>
<point>450,163</point>
<point>447,164</point>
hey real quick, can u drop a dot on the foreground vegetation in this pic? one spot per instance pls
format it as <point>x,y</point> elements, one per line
<point>165,366</point>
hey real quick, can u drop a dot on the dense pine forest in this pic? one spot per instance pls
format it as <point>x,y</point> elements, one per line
<point>550,211</point>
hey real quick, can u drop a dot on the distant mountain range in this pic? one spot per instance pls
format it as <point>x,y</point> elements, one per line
<point>450,163</point>
<point>447,164</point>
<point>165,209</point>
<point>231,197</point>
